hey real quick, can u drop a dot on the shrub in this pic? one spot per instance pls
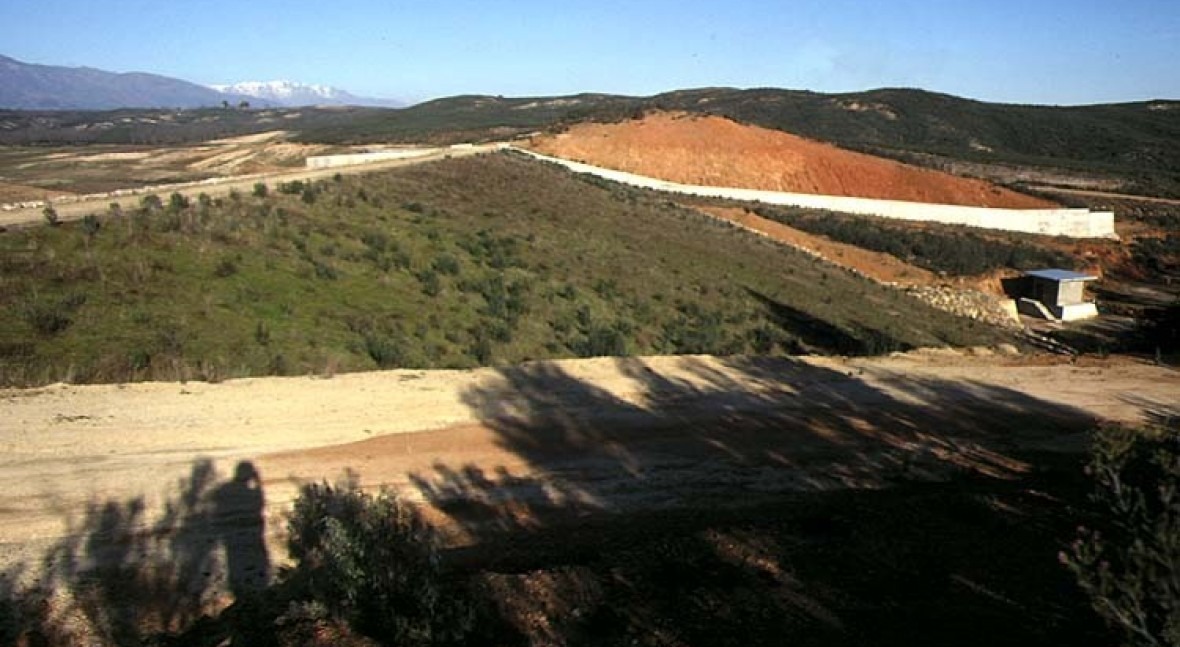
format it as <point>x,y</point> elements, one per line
<point>1129,565</point>
<point>372,561</point>
<point>51,217</point>
<point>225,267</point>
<point>386,352</point>
<point>260,190</point>
<point>377,241</point>
<point>151,203</point>
<point>90,226</point>
<point>325,271</point>
<point>52,317</point>
<point>431,286</point>
<point>604,341</point>
<point>177,203</point>
<point>446,264</point>
<point>294,187</point>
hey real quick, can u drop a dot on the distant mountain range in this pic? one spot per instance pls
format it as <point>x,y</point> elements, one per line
<point>28,86</point>
<point>295,94</point>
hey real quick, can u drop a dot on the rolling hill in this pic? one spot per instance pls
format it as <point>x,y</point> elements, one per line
<point>1138,144</point>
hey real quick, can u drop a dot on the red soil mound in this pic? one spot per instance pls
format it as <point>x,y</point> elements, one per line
<point>718,152</point>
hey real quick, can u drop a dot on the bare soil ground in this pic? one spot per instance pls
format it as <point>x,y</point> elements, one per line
<point>218,186</point>
<point>99,168</point>
<point>23,192</point>
<point>718,152</point>
<point>490,452</point>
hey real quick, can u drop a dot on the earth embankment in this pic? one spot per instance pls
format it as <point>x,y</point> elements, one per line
<point>715,151</point>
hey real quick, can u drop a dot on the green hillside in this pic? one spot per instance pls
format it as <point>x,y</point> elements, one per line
<point>476,261</point>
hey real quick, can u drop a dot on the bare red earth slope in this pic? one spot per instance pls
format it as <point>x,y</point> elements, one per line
<point>715,151</point>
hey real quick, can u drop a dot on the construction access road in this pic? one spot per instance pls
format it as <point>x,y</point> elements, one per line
<point>77,207</point>
<point>499,450</point>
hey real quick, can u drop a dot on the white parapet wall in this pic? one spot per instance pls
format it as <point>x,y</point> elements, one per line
<point>333,161</point>
<point>1073,223</point>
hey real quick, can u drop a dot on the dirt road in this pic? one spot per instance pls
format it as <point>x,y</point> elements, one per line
<point>75,209</point>
<point>498,450</point>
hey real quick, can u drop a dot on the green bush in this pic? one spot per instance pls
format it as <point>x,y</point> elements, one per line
<point>51,217</point>
<point>151,203</point>
<point>226,267</point>
<point>177,203</point>
<point>52,317</point>
<point>372,562</point>
<point>385,351</point>
<point>90,226</point>
<point>1129,563</point>
<point>295,187</point>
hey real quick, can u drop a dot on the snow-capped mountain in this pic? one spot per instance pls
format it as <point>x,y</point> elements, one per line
<point>292,93</point>
<point>30,86</point>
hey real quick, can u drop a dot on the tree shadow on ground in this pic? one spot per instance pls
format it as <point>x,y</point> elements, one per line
<point>126,575</point>
<point>752,500</point>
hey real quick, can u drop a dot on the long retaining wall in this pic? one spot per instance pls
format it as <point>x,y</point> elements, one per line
<point>349,159</point>
<point>1073,223</point>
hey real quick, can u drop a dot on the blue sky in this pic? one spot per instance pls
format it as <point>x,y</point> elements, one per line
<point>1019,51</point>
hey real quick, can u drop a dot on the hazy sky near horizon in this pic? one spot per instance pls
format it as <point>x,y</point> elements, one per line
<point>1017,51</point>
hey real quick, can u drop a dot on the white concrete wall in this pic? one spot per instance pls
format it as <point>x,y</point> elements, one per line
<point>332,161</point>
<point>1074,223</point>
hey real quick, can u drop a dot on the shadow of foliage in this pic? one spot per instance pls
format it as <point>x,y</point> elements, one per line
<point>755,500</point>
<point>126,575</point>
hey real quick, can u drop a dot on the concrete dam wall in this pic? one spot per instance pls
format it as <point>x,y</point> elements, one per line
<point>1073,223</point>
<point>350,159</point>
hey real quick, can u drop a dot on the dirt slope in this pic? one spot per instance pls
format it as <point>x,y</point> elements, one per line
<point>718,152</point>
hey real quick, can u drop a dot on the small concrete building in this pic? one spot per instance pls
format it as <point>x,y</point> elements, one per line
<point>1057,294</point>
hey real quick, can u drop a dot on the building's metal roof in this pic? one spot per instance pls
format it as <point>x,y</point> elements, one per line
<point>1061,275</point>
